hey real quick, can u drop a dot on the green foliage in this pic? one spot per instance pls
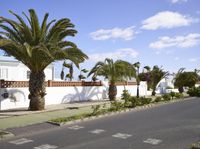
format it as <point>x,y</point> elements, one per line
<point>116,106</point>
<point>184,78</point>
<point>71,118</point>
<point>126,96</point>
<point>134,102</point>
<point>81,76</point>
<point>71,71</point>
<point>194,91</point>
<point>153,77</point>
<point>172,94</point>
<point>195,146</point>
<point>178,95</point>
<point>96,109</point>
<point>158,99</point>
<point>38,45</point>
<point>113,71</point>
<point>145,101</point>
<point>166,97</point>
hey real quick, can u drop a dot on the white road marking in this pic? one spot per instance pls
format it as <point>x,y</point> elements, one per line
<point>152,141</point>
<point>46,146</point>
<point>21,141</point>
<point>97,131</point>
<point>121,135</point>
<point>76,127</point>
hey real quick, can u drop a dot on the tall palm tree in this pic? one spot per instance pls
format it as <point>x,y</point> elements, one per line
<point>137,66</point>
<point>36,46</point>
<point>113,71</point>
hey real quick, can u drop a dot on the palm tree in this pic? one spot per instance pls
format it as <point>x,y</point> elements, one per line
<point>137,66</point>
<point>184,78</point>
<point>36,46</point>
<point>81,76</point>
<point>71,71</point>
<point>156,75</point>
<point>113,71</point>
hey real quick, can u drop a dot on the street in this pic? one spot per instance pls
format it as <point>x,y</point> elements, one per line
<point>169,126</point>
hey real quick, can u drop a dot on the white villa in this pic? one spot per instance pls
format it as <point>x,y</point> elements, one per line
<point>13,70</point>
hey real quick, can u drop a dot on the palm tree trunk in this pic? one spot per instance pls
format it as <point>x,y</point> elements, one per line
<point>112,91</point>
<point>37,91</point>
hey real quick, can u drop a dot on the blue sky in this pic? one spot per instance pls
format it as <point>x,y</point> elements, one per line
<point>154,32</point>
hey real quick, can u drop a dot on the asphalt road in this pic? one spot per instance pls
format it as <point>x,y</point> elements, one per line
<point>171,126</point>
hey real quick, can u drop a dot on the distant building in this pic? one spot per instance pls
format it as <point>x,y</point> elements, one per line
<point>13,70</point>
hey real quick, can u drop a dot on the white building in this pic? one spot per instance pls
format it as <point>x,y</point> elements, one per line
<point>13,70</point>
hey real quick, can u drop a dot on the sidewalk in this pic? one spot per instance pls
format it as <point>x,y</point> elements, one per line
<point>23,117</point>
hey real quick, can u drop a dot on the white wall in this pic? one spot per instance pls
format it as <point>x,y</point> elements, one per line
<point>18,97</point>
<point>197,85</point>
<point>17,71</point>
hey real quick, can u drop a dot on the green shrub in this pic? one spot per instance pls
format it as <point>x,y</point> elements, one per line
<point>158,99</point>
<point>195,146</point>
<point>126,96</point>
<point>172,94</point>
<point>96,109</point>
<point>166,97</point>
<point>178,95</point>
<point>145,101</point>
<point>116,106</point>
<point>67,119</point>
<point>194,91</point>
<point>134,102</point>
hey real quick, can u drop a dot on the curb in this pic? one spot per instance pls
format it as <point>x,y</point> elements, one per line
<point>119,112</point>
<point>5,135</point>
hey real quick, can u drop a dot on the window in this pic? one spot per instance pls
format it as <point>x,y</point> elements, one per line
<point>4,73</point>
<point>28,73</point>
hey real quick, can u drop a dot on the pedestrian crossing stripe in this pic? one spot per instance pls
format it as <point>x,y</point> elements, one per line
<point>21,141</point>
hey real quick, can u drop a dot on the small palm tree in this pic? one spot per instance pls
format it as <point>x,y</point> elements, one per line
<point>71,71</point>
<point>184,78</point>
<point>81,76</point>
<point>36,46</point>
<point>113,71</point>
<point>137,66</point>
<point>156,75</point>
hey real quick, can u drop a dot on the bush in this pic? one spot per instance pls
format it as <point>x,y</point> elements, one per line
<point>178,95</point>
<point>172,94</point>
<point>166,97</point>
<point>134,102</point>
<point>145,101</point>
<point>158,99</point>
<point>96,110</point>
<point>126,96</point>
<point>116,106</point>
<point>195,146</point>
<point>194,91</point>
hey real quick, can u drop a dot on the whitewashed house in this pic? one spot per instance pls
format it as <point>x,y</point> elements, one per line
<point>13,70</point>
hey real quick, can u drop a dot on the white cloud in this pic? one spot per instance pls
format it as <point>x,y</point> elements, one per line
<point>118,54</point>
<point>178,1</point>
<point>188,41</point>
<point>167,19</point>
<point>123,33</point>
<point>193,60</point>
<point>176,58</point>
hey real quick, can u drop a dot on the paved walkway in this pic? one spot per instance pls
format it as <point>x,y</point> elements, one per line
<point>23,117</point>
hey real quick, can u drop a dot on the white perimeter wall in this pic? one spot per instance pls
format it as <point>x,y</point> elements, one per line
<point>18,97</point>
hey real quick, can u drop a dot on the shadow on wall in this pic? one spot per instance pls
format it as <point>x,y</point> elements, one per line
<point>14,95</point>
<point>85,94</point>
